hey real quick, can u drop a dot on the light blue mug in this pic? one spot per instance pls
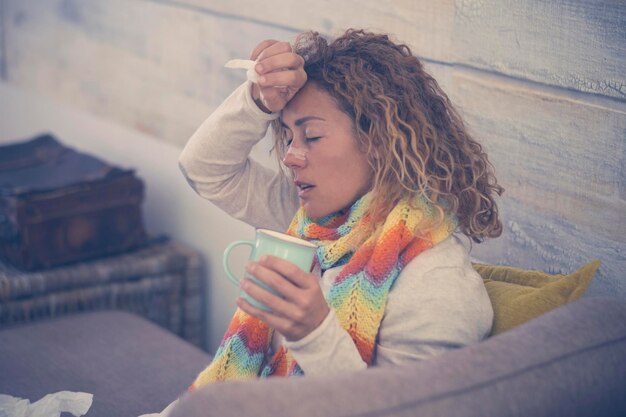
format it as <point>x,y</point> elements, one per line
<point>269,242</point>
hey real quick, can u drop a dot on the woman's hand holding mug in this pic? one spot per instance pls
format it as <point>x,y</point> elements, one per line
<point>277,287</point>
<point>281,75</point>
<point>299,306</point>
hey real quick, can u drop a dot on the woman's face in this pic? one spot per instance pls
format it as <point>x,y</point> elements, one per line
<point>335,172</point>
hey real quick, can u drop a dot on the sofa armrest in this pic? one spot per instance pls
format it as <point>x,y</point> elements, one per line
<point>569,361</point>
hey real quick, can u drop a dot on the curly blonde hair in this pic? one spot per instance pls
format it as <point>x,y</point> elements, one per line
<point>416,142</point>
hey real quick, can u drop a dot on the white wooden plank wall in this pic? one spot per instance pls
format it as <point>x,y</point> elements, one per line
<point>541,83</point>
<point>2,40</point>
<point>423,25</point>
<point>152,66</point>
<point>562,163</point>
<point>576,44</point>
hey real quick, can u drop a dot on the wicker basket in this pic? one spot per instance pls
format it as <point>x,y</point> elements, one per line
<point>162,282</point>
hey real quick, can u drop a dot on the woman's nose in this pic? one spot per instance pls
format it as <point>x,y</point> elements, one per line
<point>295,157</point>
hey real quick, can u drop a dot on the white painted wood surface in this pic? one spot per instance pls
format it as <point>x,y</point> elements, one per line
<point>153,67</point>
<point>157,65</point>
<point>553,152</point>
<point>425,26</point>
<point>562,163</point>
<point>2,41</point>
<point>577,44</point>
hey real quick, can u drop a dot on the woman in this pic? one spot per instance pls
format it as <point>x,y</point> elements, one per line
<point>384,177</point>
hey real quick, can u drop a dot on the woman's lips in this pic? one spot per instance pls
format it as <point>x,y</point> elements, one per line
<point>304,188</point>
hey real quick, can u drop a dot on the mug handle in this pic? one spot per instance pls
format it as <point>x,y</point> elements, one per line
<point>230,247</point>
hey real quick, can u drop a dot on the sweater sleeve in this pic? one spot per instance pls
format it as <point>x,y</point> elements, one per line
<point>216,163</point>
<point>329,349</point>
<point>447,309</point>
<point>438,303</point>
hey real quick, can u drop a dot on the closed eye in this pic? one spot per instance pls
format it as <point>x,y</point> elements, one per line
<point>311,139</point>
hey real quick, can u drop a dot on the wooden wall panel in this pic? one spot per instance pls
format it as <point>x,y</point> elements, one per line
<point>426,26</point>
<point>577,44</point>
<point>567,155</point>
<point>544,241</point>
<point>151,66</point>
<point>2,43</point>
<point>562,163</point>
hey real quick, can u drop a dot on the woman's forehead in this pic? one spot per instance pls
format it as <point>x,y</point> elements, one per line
<point>310,104</point>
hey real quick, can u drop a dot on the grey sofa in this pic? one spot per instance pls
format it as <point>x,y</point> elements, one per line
<point>568,362</point>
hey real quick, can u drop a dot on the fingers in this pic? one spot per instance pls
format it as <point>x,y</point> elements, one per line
<point>280,66</point>
<point>288,270</point>
<point>283,285</point>
<point>280,62</point>
<point>277,322</point>
<point>275,48</point>
<point>281,74</point>
<point>300,305</point>
<point>292,323</point>
<point>275,303</point>
<point>293,79</point>
<point>260,47</point>
<point>268,48</point>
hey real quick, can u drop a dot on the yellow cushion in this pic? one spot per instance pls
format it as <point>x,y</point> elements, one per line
<point>519,295</point>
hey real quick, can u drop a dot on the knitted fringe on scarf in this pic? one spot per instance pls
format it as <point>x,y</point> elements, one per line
<point>371,263</point>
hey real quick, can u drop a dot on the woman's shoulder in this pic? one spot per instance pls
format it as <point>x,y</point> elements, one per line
<point>436,303</point>
<point>442,284</point>
<point>443,271</point>
<point>449,253</point>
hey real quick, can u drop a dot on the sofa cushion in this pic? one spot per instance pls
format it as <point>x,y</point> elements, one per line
<point>519,295</point>
<point>568,362</point>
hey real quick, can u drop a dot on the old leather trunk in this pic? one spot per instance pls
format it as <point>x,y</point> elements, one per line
<point>58,205</point>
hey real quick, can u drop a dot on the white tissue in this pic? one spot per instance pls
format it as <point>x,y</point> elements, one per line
<point>52,405</point>
<point>246,64</point>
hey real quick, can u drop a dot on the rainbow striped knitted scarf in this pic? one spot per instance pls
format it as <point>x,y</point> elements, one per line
<point>371,263</point>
